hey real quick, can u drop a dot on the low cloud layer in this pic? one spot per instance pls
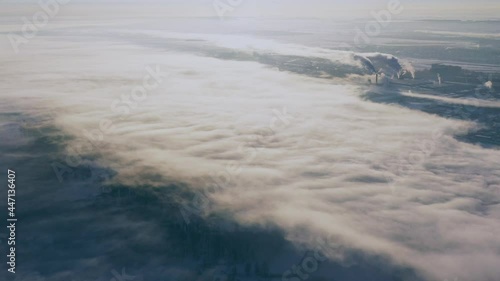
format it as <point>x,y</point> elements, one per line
<point>311,157</point>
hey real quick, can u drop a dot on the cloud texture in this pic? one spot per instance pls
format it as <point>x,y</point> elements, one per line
<point>303,154</point>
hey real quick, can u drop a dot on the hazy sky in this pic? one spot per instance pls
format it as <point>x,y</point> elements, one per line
<point>464,9</point>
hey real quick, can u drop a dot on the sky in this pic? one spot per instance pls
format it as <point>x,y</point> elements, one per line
<point>465,9</point>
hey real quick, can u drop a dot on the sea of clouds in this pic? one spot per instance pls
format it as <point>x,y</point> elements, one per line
<point>306,155</point>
